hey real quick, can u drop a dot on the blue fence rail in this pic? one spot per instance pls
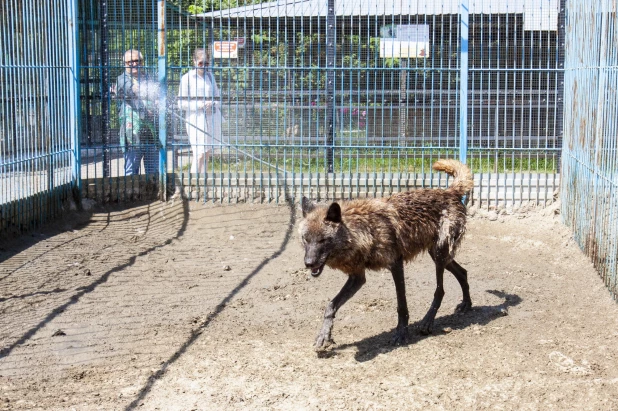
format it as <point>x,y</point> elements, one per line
<point>38,121</point>
<point>590,172</point>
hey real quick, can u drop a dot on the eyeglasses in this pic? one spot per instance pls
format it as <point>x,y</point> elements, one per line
<point>131,62</point>
<point>201,63</point>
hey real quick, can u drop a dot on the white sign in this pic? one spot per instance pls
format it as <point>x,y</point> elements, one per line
<point>404,41</point>
<point>225,50</point>
<point>391,48</point>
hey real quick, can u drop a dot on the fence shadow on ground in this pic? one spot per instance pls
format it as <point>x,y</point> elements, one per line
<point>81,291</point>
<point>195,334</point>
<point>369,348</point>
<point>14,246</point>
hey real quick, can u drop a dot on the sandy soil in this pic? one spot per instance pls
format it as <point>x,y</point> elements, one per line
<point>189,306</point>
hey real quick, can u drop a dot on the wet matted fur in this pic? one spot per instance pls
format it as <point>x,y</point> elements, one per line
<point>353,236</point>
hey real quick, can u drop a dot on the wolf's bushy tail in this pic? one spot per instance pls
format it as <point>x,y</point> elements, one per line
<point>463,181</point>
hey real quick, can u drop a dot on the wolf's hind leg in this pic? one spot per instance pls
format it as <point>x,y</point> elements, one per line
<point>427,321</point>
<point>354,283</point>
<point>402,305</point>
<point>461,275</point>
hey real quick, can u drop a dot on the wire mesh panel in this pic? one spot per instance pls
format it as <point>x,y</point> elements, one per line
<point>119,97</point>
<point>38,153</point>
<point>515,100</point>
<point>590,165</point>
<point>338,99</point>
<point>361,97</point>
<point>328,98</point>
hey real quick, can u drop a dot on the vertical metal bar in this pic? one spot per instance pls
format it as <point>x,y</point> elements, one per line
<point>74,93</point>
<point>595,166</point>
<point>560,56</point>
<point>20,132</point>
<point>330,84</point>
<point>86,18</point>
<point>47,145</point>
<point>104,61</point>
<point>403,100</point>
<point>28,136</point>
<point>463,80</point>
<point>162,77</point>
<point>13,96</point>
<point>6,149</point>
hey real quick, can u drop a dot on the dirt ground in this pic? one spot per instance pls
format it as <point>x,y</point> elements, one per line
<point>188,306</point>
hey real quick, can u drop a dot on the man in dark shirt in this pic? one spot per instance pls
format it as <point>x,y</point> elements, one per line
<point>137,97</point>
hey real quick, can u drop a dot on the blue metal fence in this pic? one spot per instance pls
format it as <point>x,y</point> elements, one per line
<point>333,98</point>
<point>590,172</point>
<point>38,123</point>
<point>324,98</point>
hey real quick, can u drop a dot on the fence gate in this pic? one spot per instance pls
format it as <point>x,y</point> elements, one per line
<point>324,98</point>
<point>590,173</point>
<point>38,123</point>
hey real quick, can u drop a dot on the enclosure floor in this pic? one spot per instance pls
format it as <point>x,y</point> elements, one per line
<point>189,306</point>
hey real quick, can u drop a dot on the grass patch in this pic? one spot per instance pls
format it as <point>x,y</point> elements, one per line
<point>383,160</point>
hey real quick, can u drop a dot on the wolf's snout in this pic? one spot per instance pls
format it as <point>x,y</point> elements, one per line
<point>313,264</point>
<point>311,256</point>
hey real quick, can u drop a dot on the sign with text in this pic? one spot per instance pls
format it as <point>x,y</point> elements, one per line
<point>225,50</point>
<point>404,41</point>
<point>392,48</point>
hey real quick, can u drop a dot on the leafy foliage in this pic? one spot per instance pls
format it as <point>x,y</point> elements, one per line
<point>204,6</point>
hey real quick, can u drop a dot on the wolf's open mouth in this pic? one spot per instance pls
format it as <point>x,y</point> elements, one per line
<point>316,271</point>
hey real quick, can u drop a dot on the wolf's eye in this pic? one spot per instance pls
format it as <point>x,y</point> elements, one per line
<point>321,240</point>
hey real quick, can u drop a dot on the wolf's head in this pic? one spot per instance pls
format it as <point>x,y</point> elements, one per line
<point>318,232</point>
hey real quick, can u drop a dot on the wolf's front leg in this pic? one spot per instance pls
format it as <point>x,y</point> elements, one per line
<point>354,283</point>
<point>402,305</point>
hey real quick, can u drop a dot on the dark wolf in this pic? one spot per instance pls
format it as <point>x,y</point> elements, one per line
<point>357,235</point>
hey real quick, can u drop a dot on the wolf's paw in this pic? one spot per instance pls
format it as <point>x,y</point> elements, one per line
<point>425,327</point>
<point>400,337</point>
<point>323,342</point>
<point>463,307</point>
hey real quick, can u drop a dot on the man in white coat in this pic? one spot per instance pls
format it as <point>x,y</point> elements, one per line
<point>199,97</point>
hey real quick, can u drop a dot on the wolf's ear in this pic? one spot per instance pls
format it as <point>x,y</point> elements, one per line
<point>334,213</point>
<point>306,206</point>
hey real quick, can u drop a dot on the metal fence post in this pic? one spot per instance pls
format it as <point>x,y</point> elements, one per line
<point>330,85</point>
<point>162,76</point>
<point>74,94</point>
<point>403,98</point>
<point>463,81</point>
<point>105,92</point>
